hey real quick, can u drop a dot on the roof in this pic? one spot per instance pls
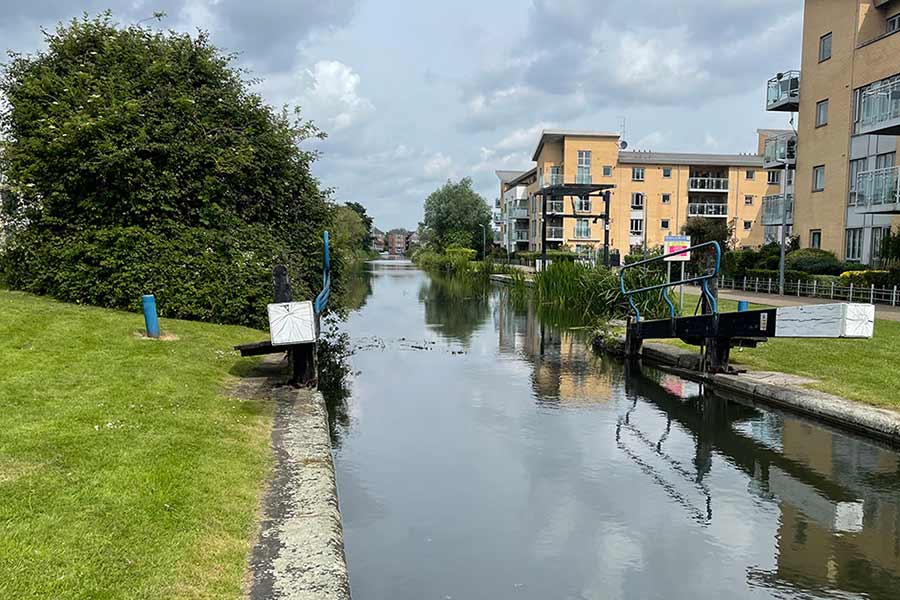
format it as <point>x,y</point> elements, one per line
<point>683,158</point>
<point>523,175</point>
<point>507,176</point>
<point>774,132</point>
<point>556,135</point>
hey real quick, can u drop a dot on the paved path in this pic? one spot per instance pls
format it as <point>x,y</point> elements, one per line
<point>890,313</point>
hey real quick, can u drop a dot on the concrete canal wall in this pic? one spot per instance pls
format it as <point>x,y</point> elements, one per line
<point>299,553</point>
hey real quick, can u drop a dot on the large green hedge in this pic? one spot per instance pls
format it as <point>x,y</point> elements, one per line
<point>138,161</point>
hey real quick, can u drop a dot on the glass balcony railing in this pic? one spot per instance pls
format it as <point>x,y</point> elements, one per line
<point>783,91</point>
<point>708,184</point>
<point>878,190</point>
<point>880,108</point>
<point>780,151</point>
<point>707,209</point>
<point>518,213</point>
<point>521,235</point>
<point>554,233</point>
<point>773,210</point>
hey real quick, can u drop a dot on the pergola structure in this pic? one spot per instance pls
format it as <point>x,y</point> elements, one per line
<point>575,190</point>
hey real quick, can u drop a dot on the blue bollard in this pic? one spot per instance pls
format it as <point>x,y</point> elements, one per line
<point>743,306</point>
<point>151,320</point>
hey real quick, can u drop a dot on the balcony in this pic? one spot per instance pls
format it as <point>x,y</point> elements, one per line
<point>708,184</point>
<point>878,191</point>
<point>773,210</point>
<point>518,213</point>
<point>554,234</point>
<point>880,109</point>
<point>555,206</point>
<point>707,209</point>
<point>783,92</point>
<point>780,151</point>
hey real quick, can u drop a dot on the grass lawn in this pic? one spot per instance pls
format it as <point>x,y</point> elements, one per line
<point>126,470</point>
<point>863,370</point>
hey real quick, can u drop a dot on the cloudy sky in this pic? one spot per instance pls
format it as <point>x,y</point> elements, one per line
<point>412,93</point>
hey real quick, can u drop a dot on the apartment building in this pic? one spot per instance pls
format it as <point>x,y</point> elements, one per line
<point>848,99</point>
<point>655,193</point>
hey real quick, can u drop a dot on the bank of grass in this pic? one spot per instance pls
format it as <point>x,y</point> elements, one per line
<point>861,370</point>
<point>126,470</point>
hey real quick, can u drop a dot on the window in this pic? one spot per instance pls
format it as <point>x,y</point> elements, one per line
<point>584,167</point>
<point>885,161</point>
<point>664,223</point>
<point>854,244</point>
<point>667,198</point>
<point>582,205</point>
<point>607,170</point>
<point>774,177</point>
<point>583,228</point>
<point>637,173</point>
<point>751,174</point>
<point>748,225</point>
<point>637,200</point>
<point>818,182</point>
<point>667,172</point>
<point>790,177</point>
<point>637,226</point>
<point>877,239</point>
<point>825,47</point>
<point>856,167</point>
<point>748,200</point>
<point>822,113</point>
<point>893,23</point>
<point>556,175</point>
<point>815,238</point>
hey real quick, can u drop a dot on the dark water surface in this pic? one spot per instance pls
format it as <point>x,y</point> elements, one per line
<point>485,456</point>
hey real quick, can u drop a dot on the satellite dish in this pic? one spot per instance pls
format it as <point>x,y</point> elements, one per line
<point>623,145</point>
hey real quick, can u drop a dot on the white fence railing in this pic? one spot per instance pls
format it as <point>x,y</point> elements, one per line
<point>814,289</point>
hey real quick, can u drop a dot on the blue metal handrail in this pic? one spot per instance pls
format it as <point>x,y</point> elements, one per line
<point>703,279</point>
<point>322,298</point>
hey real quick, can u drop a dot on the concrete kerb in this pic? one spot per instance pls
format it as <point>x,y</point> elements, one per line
<point>299,554</point>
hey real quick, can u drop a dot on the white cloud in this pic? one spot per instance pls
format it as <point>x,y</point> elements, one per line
<point>332,96</point>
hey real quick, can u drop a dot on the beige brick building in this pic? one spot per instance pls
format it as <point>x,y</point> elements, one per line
<point>848,97</point>
<point>655,193</point>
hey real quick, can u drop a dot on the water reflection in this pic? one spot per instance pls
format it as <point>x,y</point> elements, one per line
<point>455,305</point>
<point>529,467</point>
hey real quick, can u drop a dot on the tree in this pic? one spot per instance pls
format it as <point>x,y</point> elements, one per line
<point>455,215</point>
<point>360,210</point>
<point>138,161</point>
<point>705,229</point>
<point>349,233</point>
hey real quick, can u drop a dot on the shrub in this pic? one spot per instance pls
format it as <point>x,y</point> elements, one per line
<point>814,261</point>
<point>203,274</point>
<point>155,169</point>
<point>879,279</point>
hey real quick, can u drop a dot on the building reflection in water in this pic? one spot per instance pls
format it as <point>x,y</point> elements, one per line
<point>837,495</point>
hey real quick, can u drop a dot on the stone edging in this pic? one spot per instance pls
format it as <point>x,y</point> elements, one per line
<point>299,554</point>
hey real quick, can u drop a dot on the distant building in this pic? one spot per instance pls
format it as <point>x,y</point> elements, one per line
<point>397,242</point>
<point>377,240</point>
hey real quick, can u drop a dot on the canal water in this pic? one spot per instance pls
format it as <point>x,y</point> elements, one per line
<point>483,454</point>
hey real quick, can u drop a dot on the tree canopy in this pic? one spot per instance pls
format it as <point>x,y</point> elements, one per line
<point>116,133</point>
<point>455,214</point>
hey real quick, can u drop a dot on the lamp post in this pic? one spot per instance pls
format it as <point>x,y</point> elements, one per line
<point>483,241</point>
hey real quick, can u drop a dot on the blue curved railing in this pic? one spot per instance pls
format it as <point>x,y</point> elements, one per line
<point>322,299</point>
<point>703,279</point>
